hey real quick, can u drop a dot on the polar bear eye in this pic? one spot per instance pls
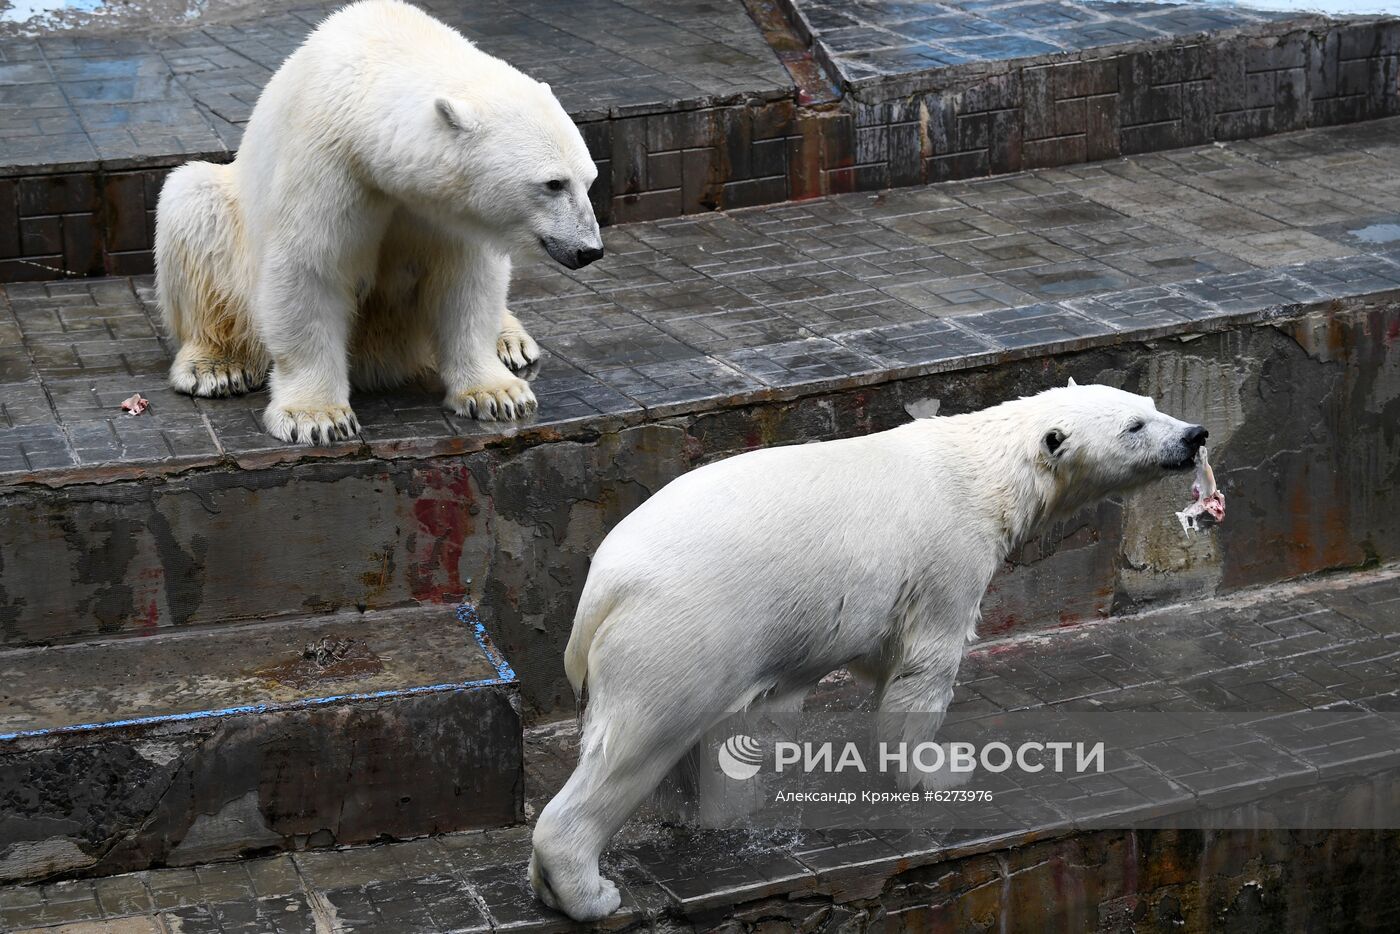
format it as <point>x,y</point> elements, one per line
<point>555,184</point>
<point>1136,426</point>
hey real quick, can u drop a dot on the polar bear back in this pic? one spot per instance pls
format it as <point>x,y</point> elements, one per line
<point>361,90</point>
<point>769,547</point>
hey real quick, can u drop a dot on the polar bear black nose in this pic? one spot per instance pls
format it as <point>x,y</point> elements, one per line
<point>1195,436</point>
<point>585,256</point>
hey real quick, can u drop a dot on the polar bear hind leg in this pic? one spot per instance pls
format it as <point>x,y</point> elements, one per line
<point>202,284</point>
<point>629,743</point>
<point>615,774</point>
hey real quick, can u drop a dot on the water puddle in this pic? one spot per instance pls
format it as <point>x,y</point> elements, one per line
<point>1377,233</point>
<point>22,10</point>
<point>38,17</point>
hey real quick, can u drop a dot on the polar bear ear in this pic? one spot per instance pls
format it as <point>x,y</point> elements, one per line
<point>456,115</point>
<point>1053,443</point>
<point>1072,382</point>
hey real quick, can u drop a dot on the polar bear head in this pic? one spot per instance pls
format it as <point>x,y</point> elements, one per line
<point>1092,441</point>
<point>516,166</point>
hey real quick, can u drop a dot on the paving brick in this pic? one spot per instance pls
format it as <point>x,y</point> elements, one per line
<point>922,343</point>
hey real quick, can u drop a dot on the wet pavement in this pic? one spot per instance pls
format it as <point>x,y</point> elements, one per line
<point>203,744</point>
<point>141,89</point>
<point>156,81</point>
<point>699,313</point>
<point>868,40</point>
<point>1321,645</point>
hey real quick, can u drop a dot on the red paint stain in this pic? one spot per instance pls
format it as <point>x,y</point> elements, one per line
<point>150,582</point>
<point>443,512</point>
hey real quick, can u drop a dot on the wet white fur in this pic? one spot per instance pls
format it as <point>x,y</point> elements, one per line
<point>388,173</point>
<point>746,581</point>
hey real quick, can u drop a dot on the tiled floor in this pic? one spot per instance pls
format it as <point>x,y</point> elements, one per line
<point>874,39</point>
<point>697,312</point>
<point>129,95</point>
<point>138,94</point>
<point>1278,653</point>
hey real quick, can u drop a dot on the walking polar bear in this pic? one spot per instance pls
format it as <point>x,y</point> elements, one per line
<point>364,232</point>
<point>746,581</point>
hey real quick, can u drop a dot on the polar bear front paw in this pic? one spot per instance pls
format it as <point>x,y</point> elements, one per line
<point>311,425</point>
<point>503,400</point>
<point>197,373</point>
<point>516,349</point>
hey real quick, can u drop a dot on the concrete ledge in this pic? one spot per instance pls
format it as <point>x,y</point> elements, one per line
<point>1230,282</point>
<point>513,524</point>
<point>784,132</point>
<point>181,748</point>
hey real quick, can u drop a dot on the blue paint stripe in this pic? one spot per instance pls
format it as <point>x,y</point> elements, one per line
<point>466,614</point>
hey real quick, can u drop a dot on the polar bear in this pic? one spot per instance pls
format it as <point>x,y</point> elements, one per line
<point>364,232</point>
<point>744,582</point>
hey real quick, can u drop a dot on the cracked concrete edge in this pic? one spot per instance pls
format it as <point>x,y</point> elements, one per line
<point>514,436</point>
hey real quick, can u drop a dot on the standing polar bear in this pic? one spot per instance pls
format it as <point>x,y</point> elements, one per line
<point>364,232</point>
<point>744,582</point>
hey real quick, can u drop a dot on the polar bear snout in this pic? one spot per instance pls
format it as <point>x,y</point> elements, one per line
<point>571,255</point>
<point>1192,440</point>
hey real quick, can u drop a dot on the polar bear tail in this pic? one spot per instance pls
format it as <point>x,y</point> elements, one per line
<point>593,611</point>
<point>203,283</point>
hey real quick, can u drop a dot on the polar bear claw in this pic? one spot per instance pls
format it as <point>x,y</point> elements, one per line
<point>207,375</point>
<point>510,398</point>
<point>516,348</point>
<point>320,425</point>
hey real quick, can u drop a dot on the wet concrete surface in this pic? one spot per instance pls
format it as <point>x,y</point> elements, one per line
<point>178,748</point>
<point>686,110</point>
<point>274,662</point>
<point>685,313</point>
<point>872,40</point>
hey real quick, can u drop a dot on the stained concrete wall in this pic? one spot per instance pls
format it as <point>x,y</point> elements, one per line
<point>1254,881</point>
<point>1305,422</point>
<point>183,792</point>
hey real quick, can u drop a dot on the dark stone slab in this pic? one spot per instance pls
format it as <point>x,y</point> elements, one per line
<point>179,749</point>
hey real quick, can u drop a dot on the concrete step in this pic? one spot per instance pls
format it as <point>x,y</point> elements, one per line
<point>718,105</point>
<point>182,747</point>
<point>1232,283</point>
<point>1279,655</point>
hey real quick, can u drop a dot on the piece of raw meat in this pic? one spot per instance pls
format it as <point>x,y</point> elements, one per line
<point>1208,503</point>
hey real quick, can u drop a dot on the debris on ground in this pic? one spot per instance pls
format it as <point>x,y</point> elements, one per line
<point>327,651</point>
<point>135,405</point>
